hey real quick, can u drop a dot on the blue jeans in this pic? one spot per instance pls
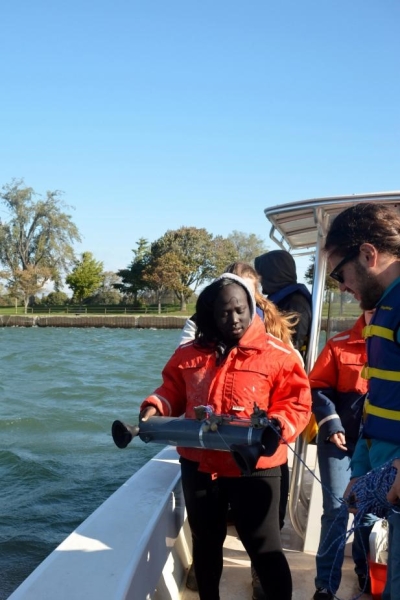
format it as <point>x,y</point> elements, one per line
<point>335,475</point>
<point>392,588</point>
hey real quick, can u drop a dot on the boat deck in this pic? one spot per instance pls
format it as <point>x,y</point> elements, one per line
<point>136,545</point>
<point>236,577</point>
<point>302,565</point>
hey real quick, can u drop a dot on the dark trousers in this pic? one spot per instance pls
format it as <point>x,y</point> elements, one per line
<point>254,504</point>
<point>284,493</point>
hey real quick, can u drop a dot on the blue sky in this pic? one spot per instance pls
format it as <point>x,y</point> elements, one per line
<point>156,114</point>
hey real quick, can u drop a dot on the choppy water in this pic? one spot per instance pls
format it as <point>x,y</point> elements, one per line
<point>60,390</point>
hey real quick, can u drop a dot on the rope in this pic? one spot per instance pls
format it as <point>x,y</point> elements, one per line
<point>370,492</point>
<point>368,495</point>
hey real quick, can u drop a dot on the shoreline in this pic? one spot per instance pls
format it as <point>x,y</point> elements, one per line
<point>112,321</point>
<point>127,321</point>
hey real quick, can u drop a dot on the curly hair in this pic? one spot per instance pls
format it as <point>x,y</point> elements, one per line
<point>362,223</point>
<point>276,323</point>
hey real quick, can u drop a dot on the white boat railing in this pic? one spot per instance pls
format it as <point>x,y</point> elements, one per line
<point>120,550</point>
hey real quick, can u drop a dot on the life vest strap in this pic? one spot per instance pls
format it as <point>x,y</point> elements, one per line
<point>377,330</point>
<point>384,413</point>
<point>368,372</point>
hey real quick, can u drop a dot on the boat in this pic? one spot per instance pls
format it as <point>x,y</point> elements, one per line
<point>137,544</point>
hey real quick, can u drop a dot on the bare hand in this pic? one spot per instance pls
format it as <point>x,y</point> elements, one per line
<point>339,439</point>
<point>149,411</point>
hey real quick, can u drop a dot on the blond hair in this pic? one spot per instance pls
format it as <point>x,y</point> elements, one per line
<point>276,323</point>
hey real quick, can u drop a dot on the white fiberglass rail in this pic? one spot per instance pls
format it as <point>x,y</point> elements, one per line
<point>125,546</point>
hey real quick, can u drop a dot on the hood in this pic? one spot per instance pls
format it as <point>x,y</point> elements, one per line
<point>249,291</point>
<point>277,270</point>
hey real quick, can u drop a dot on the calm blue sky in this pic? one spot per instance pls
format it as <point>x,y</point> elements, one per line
<point>161,113</point>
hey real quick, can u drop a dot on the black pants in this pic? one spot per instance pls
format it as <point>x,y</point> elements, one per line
<point>254,503</point>
<point>284,493</point>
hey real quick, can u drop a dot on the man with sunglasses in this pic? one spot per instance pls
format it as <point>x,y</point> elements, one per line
<point>363,246</point>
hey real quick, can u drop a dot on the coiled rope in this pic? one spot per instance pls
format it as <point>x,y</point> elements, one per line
<point>370,491</point>
<point>367,496</point>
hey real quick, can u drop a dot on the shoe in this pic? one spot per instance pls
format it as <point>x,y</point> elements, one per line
<point>191,581</point>
<point>258,592</point>
<point>323,594</point>
<point>364,583</point>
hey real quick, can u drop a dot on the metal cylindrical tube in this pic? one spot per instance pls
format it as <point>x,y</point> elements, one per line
<point>191,433</point>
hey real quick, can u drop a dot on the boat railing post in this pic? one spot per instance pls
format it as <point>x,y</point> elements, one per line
<point>297,495</point>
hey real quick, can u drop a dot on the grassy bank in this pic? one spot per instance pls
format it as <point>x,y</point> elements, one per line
<point>335,310</point>
<point>166,310</point>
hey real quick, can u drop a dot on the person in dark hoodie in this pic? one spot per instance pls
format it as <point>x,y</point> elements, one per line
<point>277,270</point>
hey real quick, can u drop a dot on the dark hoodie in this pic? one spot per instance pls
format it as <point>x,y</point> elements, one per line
<point>277,270</point>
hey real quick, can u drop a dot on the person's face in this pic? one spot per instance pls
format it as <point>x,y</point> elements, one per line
<point>232,313</point>
<point>358,281</point>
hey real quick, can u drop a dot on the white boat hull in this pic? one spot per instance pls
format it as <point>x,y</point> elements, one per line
<point>121,550</point>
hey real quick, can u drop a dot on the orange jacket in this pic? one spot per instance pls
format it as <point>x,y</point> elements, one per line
<point>260,369</point>
<point>337,386</point>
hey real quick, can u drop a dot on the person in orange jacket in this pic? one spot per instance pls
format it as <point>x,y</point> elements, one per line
<point>282,326</point>
<point>338,392</point>
<point>231,365</point>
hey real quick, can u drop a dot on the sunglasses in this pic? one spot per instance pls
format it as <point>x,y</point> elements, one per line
<point>336,273</point>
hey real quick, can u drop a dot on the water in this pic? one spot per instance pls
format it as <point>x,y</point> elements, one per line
<point>60,391</point>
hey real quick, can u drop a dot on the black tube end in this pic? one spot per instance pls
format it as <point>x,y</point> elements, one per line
<point>246,457</point>
<point>122,434</point>
<point>270,439</point>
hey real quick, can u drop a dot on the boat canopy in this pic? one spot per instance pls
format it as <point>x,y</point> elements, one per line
<point>295,226</point>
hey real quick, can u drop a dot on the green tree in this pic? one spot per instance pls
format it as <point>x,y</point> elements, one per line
<point>330,284</point>
<point>224,253</point>
<point>199,257</point>
<point>247,245</point>
<point>26,283</point>
<point>107,293</point>
<point>163,274</point>
<point>36,241</point>
<point>132,282</point>
<point>5,299</point>
<point>86,277</point>
<point>55,298</point>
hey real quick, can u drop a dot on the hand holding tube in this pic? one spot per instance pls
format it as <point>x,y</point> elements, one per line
<point>149,411</point>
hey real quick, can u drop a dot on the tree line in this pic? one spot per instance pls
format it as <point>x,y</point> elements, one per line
<point>37,239</point>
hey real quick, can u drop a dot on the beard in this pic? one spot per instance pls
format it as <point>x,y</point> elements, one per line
<point>370,289</point>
